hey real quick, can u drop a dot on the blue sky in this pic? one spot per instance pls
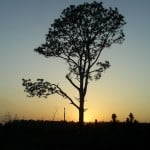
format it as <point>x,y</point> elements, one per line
<point>123,88</point>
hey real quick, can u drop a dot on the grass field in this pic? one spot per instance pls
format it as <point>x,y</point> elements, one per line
<point>47,135</point>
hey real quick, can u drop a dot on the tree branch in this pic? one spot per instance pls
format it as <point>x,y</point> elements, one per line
<point>69,79</point>
<point>66,96</point>
<point>102,47</point>
<point>44,89</point>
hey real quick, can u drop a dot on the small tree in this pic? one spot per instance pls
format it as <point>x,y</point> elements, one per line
<point>79,36</point>
<point>114,117</point>
<point>131,118</point>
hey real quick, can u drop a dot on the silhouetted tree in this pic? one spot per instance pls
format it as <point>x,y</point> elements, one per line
<point>114,117</point>
<point>131,118</point>
<point>96,121</point>
<point>127,120</point>
<point>79,36</point>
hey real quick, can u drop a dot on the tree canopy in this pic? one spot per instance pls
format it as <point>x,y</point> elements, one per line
<point>79,36</point>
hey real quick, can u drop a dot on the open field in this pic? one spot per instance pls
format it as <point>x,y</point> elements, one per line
<point>40,135</point>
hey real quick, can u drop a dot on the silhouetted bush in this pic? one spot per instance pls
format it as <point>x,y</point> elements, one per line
<point>114,118</point>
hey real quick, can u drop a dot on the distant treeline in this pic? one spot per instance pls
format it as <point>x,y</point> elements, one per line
<point>8,118</point>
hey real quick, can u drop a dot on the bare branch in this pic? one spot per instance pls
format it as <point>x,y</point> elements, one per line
<point>66,96</point>
<point>70,80</point>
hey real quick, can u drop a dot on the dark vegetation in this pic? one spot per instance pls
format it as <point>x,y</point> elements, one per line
<point>39,135</point>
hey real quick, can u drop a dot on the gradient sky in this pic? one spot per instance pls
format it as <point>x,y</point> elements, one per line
<point>123,88</point>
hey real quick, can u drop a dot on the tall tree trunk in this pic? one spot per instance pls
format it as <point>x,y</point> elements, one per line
<point>81,111</point>
<point>81,93</point>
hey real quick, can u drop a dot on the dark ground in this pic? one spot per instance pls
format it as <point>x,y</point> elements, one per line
<point>46,135</point>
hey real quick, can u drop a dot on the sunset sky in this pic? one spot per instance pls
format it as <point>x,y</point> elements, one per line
<point>123,88</point>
